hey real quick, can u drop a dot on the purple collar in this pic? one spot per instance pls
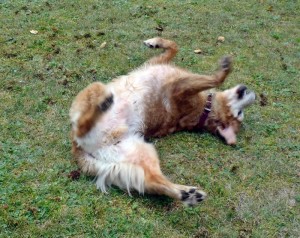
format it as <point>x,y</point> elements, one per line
<point>207,110</point>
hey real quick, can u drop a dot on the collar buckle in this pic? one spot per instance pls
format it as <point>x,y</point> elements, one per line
<point>207,109</point>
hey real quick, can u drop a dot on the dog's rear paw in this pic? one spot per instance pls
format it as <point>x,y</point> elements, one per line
<point>153,43</point>
<point>192,197</point>
<point>226,63</point>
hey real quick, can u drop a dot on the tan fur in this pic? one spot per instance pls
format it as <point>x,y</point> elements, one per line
<point>110,121</point>
<point>86,104</point>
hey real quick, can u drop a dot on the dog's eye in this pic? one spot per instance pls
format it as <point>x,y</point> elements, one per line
<point>241,91</point>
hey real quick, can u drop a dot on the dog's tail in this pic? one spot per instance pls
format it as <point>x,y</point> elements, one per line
<point>107,172</point>
<point>170,50</point>
<point>88,105</point>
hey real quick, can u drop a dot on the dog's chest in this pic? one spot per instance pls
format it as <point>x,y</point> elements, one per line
<point>120,121</point>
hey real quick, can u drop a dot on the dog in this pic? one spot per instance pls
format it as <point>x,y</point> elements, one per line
<point>111,122</point>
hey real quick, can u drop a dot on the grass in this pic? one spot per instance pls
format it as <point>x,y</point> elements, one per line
<point>253,188</point>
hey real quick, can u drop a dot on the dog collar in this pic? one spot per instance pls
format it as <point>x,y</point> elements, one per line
<point>207,110</point>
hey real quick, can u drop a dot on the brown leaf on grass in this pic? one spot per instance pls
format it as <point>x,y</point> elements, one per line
<point>263,100</point>
<point>221,38</point>
<point>56,199</point>
<point>54,29</point>
<point>202,232</point>
<point>87,35</point>
<point>74,175</point>
<point>103,45</point>
<point>270,8</point>
<point>92,71</point>
<point>33,210</point>
<point>159,28</point>
<point>34,32</point>
<point>79,50</point>
<point>234,169</point>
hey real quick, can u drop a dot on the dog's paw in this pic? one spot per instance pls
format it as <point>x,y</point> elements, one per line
<point>192,196</point>
<point>226,63</point>
<point>153,43</point>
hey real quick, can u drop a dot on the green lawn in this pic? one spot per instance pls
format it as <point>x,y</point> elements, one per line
<point>253,187</point>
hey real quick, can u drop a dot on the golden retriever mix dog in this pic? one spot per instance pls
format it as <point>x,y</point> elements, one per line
<point>110,122</point>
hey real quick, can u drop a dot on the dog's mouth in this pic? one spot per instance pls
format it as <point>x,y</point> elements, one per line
<point>227,134</point>
<point>238,99</point>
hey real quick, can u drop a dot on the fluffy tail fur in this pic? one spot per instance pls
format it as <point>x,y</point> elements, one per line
<point>126,176</point>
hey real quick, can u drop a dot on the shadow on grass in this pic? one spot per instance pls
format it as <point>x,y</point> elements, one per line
<point>157,202</point>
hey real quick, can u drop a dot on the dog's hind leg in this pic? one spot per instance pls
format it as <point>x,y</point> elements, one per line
<point>133,164</point>
<point>170,50</point>
<point>88,105</point>
<point>190,84</point>
<point>144,155</point>
<point>157,183</point>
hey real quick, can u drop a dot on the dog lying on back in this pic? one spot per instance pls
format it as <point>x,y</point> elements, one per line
<point>110,122</point>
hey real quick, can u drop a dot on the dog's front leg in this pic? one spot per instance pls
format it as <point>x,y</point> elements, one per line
<point>190,84</point>
<point>88,106</point>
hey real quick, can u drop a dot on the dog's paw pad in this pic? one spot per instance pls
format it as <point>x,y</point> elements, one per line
<point>226,63</point>
<point>192,197</point>
<point>152,43</point>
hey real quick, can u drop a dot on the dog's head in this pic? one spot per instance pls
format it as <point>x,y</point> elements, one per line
<point>228,112</point>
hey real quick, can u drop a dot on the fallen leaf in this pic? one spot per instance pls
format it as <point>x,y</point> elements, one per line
<point>234,169</point>
<point>159,28</point>
<point>103,45</point>
<point>57,199</point>
<point>263,100</point>
<point>87,35</point>
<point>198,51</point>
<point>34,210</point>
<point>54,29</point>
<point>34,32</point>
<point>270,8</point>
<point>74,175</point>
<point>221,38</point>
<point>93,71</point>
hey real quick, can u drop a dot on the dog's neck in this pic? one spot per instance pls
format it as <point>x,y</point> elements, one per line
<point>207,109</point>
<point>217,114</point>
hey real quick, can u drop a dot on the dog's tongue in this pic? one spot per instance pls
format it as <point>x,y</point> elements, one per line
<point>228,134</point>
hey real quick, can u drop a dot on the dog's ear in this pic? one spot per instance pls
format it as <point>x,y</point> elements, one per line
<point>228,134</point>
